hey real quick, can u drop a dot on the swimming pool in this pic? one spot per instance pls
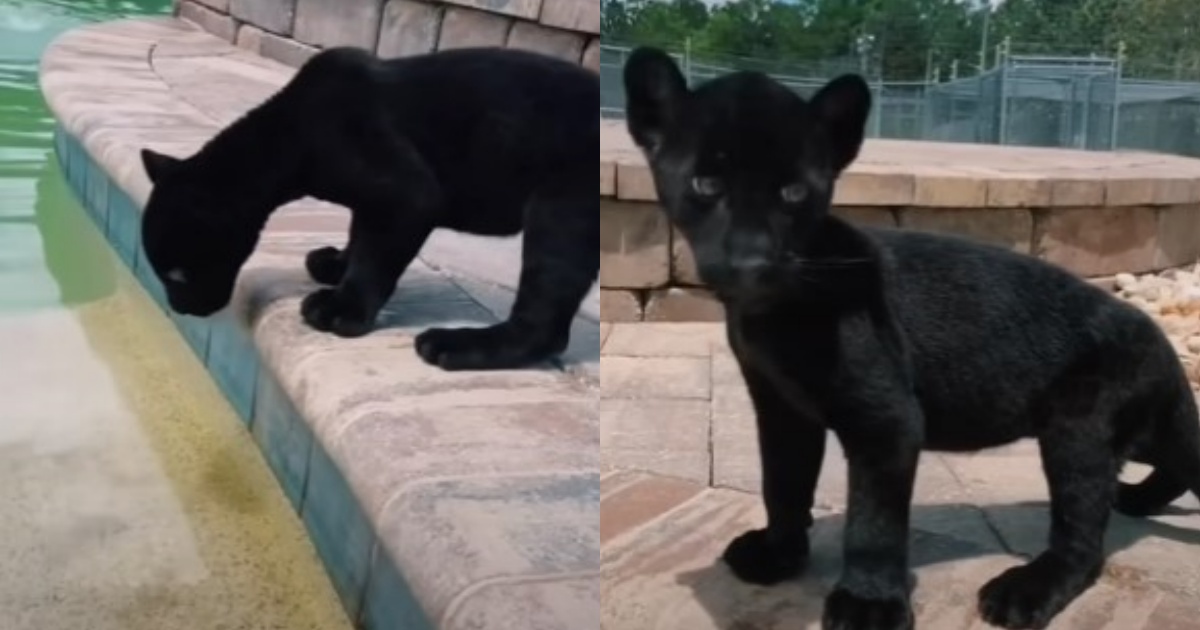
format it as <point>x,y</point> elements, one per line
<point>133,498</point>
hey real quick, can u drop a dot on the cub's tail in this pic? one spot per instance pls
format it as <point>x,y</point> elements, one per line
<point>1174,451</point>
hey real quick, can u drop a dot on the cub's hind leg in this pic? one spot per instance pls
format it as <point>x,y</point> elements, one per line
<point>1172,447</point>
<point>1080,465</point>
<point>559,264</point>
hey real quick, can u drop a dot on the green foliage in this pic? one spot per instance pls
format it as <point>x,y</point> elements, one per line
<point>912,39</point>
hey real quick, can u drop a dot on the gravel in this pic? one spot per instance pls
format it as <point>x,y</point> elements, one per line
<point>1172,298</point>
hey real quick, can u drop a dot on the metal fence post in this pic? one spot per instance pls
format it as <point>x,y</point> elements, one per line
<point>1116,98</point>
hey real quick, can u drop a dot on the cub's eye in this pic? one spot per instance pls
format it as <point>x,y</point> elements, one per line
<point>707,186</point>
<point>793,193</point>
<point>177,276</point>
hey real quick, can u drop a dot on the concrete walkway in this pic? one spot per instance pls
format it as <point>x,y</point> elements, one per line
<point>681,473</point>
<point>436,499</point>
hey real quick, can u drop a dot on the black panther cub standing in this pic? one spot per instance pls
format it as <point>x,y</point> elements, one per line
<point>900,341</point>
<point>484,141</point>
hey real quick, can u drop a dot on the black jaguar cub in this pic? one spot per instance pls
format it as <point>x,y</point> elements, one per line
<point>484,141</point>
<point>898,341</point>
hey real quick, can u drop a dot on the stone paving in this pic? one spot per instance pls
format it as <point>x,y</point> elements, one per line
<point>482,488</point>
<point>681,473</point>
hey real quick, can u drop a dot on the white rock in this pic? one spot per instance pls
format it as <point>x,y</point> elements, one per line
<point>1126,281</point>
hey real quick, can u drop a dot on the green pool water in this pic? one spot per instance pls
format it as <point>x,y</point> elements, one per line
<point>131,496</point>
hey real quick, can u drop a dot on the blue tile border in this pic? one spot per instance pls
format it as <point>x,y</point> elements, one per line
<point>372,589</point>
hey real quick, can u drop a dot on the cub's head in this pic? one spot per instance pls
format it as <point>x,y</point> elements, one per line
<point>195,238</point>
<point>744,167</point>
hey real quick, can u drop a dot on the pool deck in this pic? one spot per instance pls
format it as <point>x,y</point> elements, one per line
<point>436,499</point>
<point>681,478</point>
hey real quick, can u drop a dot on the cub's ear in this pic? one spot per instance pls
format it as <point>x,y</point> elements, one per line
<point>654,87</point>
<point>842,108</point>
<point>158,165</point>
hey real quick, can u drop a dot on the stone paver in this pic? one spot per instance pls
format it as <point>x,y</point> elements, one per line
<point>681,479</point>
<point>482,488</point>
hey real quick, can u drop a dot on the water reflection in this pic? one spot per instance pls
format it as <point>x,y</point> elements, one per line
<point>50,254</point>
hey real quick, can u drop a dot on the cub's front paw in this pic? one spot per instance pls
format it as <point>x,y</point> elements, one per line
<point>755,559</point>
<point>327,310</point>
<point>846,611</point>
<point>1030,596</point>
<point>494,348</point>
<point>326,265</point>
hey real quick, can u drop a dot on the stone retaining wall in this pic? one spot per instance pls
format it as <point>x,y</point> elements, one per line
<point>647,271</point>
<point>290,31</point>
<point>1094,213</point>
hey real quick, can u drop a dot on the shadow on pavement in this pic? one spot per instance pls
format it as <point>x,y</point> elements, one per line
<point>798,604</point>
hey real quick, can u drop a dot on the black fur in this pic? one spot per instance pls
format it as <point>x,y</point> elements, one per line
<point>484,141</point>
<point>898,341</point>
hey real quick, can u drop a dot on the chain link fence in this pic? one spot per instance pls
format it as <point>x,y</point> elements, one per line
<point>1090,102</point>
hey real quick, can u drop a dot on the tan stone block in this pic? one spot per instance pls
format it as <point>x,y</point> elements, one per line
<point>461,538</point>
<point>633,504</point>
<point>573,15</point>
<point>635,182</point>
<point>664,339</point>
<point>214,22</point>
<point>250,38</point>
<point>219,5</point>
<point>677,304</point>
<point>668,575</point>
<point>1108,283</point>
<point>275,16</point>
<point>409,28</point>
<point>591,56</point>
<point>1019,192</point>
<point>683,262</point>
<point>877,216</point>
<point>284,50</point>
<point>465,28</point>
<point>634,246</point>
<point>862,187</point>
<point>525,9</point>
<point>1098,241</point>
<point>548,41</point>
<point>950,191</point>
<point>667,437</point>
<point>545,602</point>
<point>1178,236</point>
<point>736,462</point>
<point>1130,191</point>
<point>617,305</point>
<point>1083,193</point>
<point>608,179</point>
<point>343,23</point>
<point>1174,190</point>
<point>1006,227</point>
<point>644,378</point>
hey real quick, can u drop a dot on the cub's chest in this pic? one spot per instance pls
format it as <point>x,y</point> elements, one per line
<point>797,357</point>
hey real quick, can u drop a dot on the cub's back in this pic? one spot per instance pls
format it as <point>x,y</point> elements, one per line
<point>533,110</point>
<point>991,328</point>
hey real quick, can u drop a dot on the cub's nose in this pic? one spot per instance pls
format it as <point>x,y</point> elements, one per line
<point>749,255</point>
